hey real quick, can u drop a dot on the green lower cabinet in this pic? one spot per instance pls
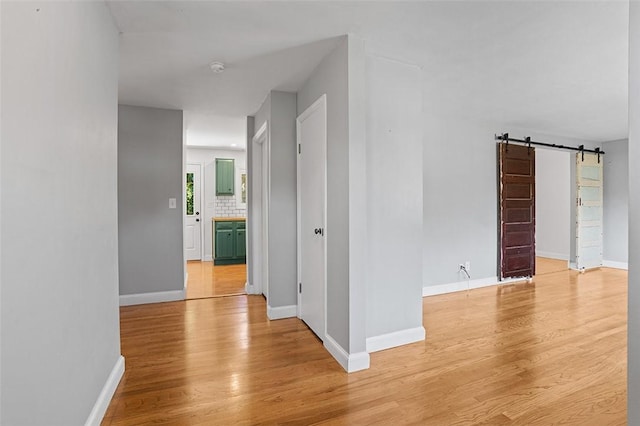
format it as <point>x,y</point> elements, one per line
<point>224,244</point>
<point>241,243</point>
<point>230,242</point>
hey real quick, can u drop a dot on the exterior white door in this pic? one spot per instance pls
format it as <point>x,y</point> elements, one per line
<point>193,219</point>
<point>589,211</point>
<point>312,232</point>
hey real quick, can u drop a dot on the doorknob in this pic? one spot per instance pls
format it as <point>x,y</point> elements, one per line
<point>318,231</point>
<point>197,220</point>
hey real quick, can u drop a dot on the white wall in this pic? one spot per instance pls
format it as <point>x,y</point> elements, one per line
<point>553,203</point>
<point>59,248</point>
<point>150,171</point>
<point>394,200</point>
<point>207,158</point>
<point>210,130</point>
<point>633,324</point>
<point>616,203</point>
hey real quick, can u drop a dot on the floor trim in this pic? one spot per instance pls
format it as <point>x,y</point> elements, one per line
<point>350,362</point>
<point>102,403</point>
<point>155,297</point>
<point>615,265</point>
<point>552,255</point>
<point>394,339</point>
<point>280,312</point>
<point>434,290</point>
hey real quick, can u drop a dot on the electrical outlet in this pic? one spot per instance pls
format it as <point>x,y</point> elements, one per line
<point>467,266</point>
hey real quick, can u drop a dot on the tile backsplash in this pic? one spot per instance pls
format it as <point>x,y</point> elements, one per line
<point>226,206</point>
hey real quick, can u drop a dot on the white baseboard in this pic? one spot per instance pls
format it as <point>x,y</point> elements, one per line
<point>350,362</point>
<point>155,297</point>
<point>207,258</point>
<point>397,338</point>
<point>251,289</point>
<point>552,255</point>
<point>102,403</point>
<point>434,290</point>
<point>616,265</point>
<point>281,312</point>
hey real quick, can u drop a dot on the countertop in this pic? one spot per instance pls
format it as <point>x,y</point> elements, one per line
<point>228,219</point>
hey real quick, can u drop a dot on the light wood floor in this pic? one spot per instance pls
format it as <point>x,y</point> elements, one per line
<point>545,265</point>
<point>207,280</point>
<point>548,352</point>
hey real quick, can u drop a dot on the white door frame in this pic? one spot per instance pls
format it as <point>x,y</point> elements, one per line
<point>257,255</point>
<point>199,166</point>
<point>320,103</point>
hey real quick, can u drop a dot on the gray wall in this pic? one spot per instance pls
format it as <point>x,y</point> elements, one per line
<point>282,201</point>
<point>150,166</point>
<point>279,111</point>
<point>460,194</point>
<point>59,250</point>
<point>553,203</point>
<point>633,350</point>
<point>249,159</point>
<point>331,78</point>
<point>394,196</point>
<point>616,201</point>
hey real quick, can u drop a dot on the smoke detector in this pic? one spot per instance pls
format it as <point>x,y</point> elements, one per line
<point>216,66</point>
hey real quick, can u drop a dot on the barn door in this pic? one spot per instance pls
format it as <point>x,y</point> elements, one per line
<point>589,211</point>
<point>517,211</point>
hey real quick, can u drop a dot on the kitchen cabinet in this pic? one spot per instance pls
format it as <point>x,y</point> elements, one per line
<point>230,241</point>
<point>225,176</point>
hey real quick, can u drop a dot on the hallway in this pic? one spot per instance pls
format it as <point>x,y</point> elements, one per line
<point>206,280</point>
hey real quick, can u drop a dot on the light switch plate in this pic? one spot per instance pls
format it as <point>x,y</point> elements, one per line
<point>172,203</point>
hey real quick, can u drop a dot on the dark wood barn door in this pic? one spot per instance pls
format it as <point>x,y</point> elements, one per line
<point>517,211</point>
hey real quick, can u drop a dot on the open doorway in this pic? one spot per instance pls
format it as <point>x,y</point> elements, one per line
<point>553,210</point>
<point>216,204</point>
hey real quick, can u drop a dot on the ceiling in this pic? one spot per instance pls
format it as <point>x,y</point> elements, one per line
<point>552,67</point>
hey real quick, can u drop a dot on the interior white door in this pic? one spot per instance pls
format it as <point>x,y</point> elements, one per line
<point>589,211</point>
<point>312,165</point>
<point>192,222</point>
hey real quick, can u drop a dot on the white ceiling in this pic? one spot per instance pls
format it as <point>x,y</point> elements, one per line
<point>552,67</point>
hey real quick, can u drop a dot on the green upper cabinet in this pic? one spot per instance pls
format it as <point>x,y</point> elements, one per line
<point>225,176</point>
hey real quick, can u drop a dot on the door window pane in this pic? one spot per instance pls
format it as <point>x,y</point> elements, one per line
<point>189,193</point>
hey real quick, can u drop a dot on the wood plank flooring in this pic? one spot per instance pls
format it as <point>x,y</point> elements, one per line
<point>207,280</point>
<point>545,265</point>
<point>549,352</point>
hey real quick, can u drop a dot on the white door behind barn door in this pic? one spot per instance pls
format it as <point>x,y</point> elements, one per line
<point>193,219</point>
<point>589,211</point>
<point>312,201</point>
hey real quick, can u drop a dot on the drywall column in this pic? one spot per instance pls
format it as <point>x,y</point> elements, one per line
<point>359,260</point>
<point>282,206</point>
<point>394,203</point>
<point>150,173</point>
<point>339,77</point>
<point>616,203</point>
<point>331,78</point>
<point>59,250</point>
<point>279,112</point>
<point>633,350</point>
